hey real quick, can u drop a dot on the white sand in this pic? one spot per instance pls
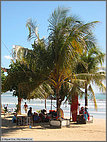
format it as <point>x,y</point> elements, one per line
<point>95,131</point>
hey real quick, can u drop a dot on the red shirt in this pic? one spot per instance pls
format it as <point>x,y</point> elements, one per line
<point>25,106</point>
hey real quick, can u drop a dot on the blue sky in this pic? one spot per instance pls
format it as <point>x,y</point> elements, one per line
<point>14,15</point>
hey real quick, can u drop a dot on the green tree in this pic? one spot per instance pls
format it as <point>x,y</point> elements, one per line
<point>68,37</point>
<point>17,74</point>
<point>87,68</point>
<point>43,91</point>
<point>87,72</point>
<point>3,76</point>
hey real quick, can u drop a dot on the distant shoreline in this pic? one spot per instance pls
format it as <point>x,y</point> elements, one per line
<point>38,104</point>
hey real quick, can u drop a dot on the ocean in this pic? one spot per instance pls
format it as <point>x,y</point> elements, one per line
<point>37,104</point>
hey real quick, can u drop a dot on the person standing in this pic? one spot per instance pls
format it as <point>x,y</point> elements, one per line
<point>30,114</point>
<point>25,107</point>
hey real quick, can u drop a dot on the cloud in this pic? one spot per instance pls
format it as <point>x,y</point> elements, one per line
<point>8,57</point>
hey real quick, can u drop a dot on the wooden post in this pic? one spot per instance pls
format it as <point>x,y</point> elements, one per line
<point>45,102</point>
<point>57,102</point>
<point>51,102</point>
<point>70,111</point>
<point>19,105</point>
<point>86,99</point>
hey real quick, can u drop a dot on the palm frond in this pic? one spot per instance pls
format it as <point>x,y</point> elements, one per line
<point>94,99</point>
<point>33,29</point>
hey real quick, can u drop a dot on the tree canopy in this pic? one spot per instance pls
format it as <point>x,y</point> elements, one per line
<point>63,62</point>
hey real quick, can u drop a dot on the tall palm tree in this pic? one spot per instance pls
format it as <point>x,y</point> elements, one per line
<point>87,68</point>
<point>66,39</point>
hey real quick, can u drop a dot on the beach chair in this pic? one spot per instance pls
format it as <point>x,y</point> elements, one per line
<point>24,121</point>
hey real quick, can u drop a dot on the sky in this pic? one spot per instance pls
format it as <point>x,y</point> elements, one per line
<point>14,15</point>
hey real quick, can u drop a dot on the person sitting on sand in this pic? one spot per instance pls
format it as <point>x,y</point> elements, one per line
<point>84,112</point>
<point>81,112</point>
<point>43,116</point>
<point>25,107</point>
<point>30,112</point>
<point>14,118</point>
<point>36,118</point>
<point>52,114</point>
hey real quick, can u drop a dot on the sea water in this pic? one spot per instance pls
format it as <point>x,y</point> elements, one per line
<point>38,104</point>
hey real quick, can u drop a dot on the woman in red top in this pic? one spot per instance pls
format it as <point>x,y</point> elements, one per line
<point>25,107</point>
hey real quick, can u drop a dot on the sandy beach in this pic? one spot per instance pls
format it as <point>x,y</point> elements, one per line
<point>95,131</point>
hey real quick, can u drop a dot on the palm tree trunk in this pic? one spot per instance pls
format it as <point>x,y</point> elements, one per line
<point>45,102</point>
<point>70,111</point>
<point>86,97</point>
<point>51,103</point>
<point>58,105</point>
<point>19,105</point>
<point>74,106</point>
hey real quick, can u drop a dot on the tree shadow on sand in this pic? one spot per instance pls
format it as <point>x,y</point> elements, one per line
<point>8,126</point>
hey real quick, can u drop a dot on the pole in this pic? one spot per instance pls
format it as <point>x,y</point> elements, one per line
<point>45,102</point>
<point>86,99</point>
<point>51,102</point>
<point>70,111</point>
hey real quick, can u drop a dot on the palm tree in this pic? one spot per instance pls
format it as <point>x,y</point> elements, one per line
<point>67,39</point>
<point>18,52</point>
<point>43,91</point>
<point>87,68</point>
